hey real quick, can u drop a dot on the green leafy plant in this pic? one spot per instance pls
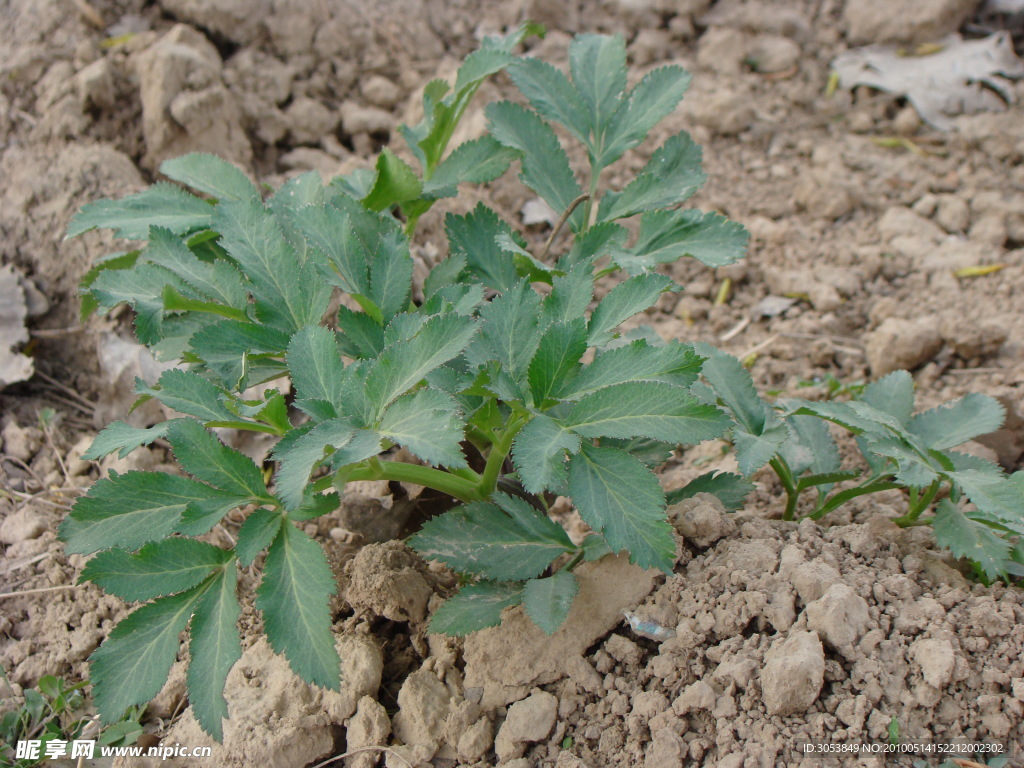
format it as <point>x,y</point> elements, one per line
<point>979,513</point>
<point>482,378</point>
<point>56,711</point>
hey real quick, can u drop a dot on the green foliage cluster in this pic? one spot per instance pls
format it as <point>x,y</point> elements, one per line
<point>504,377</point>
<point>55,711</point>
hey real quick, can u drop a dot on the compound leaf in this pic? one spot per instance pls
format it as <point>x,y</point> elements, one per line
<point>674,363</point>
<point>626,299</point>
<point>205,457</point>
<point>132,665</point>
<point>475,162</point>
<point>189,393</point>
<point>539,453</point>
<point>552,95</point>
<point>293,597</point>
<point>951,424</point>
<point>213,649</point>
<point>810,446</point>
<point>238,353</point>
<point>892,394</point>
<point>969,538</point>
<point>473,238</point>
<point>484,538</point>
<point>647,104</point>
<point>162,205</point>
<point>647,409</point>
<point>121,437</point>
<point>754,451</point>
<point>570,295</point>
<point>545,165</point>
<point>672,175</point>
<point>548,601</point>
<point>475,607</point>
<point>620,498</point>
<point>666,236</point>
<point>218,281</point>
<point>129,510</point>
<point>510,331</point>
<point>159,568</point>
<point>733,385</point>
<point>406,362</point>
<point>911,468</point>
<point>429,424</point>
<point>997,497</point>
<point>210,174</point>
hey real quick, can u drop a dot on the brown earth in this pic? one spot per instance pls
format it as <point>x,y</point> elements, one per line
<point>783,633</point>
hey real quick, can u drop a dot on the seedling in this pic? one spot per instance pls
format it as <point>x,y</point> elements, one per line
<point>482,380</point>
<point>980,511</point>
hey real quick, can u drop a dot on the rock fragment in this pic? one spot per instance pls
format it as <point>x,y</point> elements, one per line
<point>936,659</point>
<point>529,720</point>
<point>910,21</point>
<point>902,344</point>
<point>840,616</point>
<point>23,525</point>
<point>368,727</point>
<point>793,674</point>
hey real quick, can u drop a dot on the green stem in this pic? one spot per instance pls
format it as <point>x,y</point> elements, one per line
<point>575,560</point>
<point>588,208</point>
<point>438,479</point>
<point>499,452</point>
<point>785,474</point>
<point>246,425</point>
<point>873,485</point>
<point>467,474</point>
<point>919,505</point>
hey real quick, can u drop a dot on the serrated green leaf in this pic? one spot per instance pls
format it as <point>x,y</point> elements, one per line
<point>202,515</point>
<point>315,364</point>
<point>557,358</point>
<point>621,499</point>
<point>647,409</point>
<point>365,443</point>
<point>142,288</point>
<point>653,453</point>
<point>473,162</point>
<point>844,415</point>
<point>298,457</point>
<point>473,237</point>
<point>671,176</point>
<point>892,394</point>
<point>210,174</point>
<point>479,65</point>
<point>234,351</point>
<point>484,539</point>
<point>206,458</point>
<point>429,424</point>
<point>539,454</point>
<point>346,235</point>
<point>218,281</point>
<point>598,67</point>
<point>911,468</point>
<point>159,568</point>
<point>133,663</point>
<point>396,183</point>
<point>599,240</point>
<point>544,163</point>
<point>213,649</point>
<point>594,547</point>
<point>118,436</point>
<point>969,538</point>
<point>510,331</point>
<point>259,529</point>
<point>666,236</point>
<point>391,277</point>
<point>626,299</point>
<point>287,294</point>
<point>647,104</point>
<point>570,295</point>
<point>754,451</point>
<point>293,598</point>
<point>731,489</point>
<point>188,393</point>
<point>404,363</point>
<point>998,498</point>
<point>129,510</point>
<point>810,446</point>
<point>548,601</point>
<point>674,363</point>
<point>161,205</point>
<point>475,607</point>
<point>951,424</point>
<point>359,335</point>
<point>732,383</point>
<point>121,261</point>
<point>552,95</point>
